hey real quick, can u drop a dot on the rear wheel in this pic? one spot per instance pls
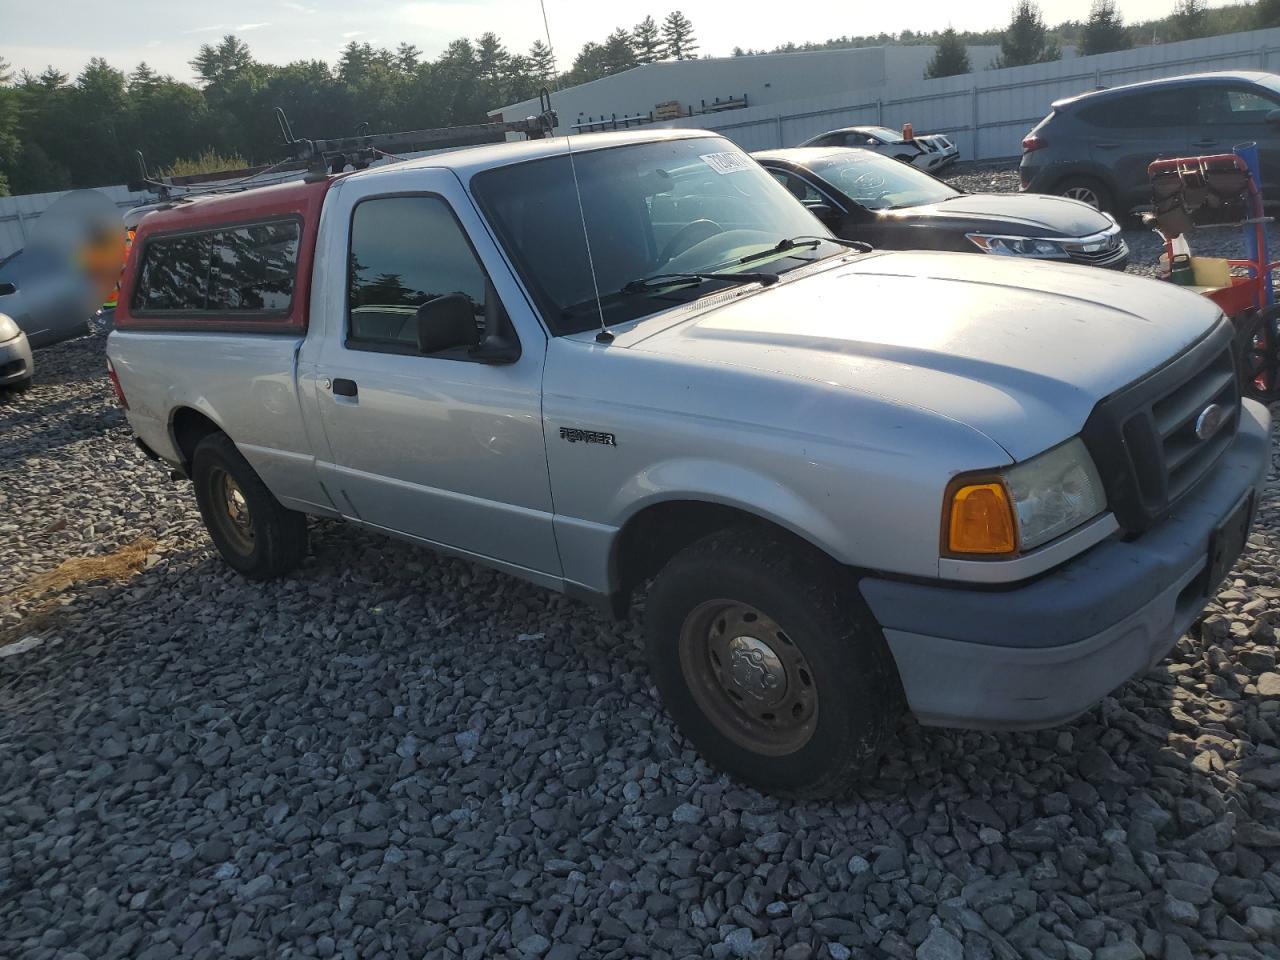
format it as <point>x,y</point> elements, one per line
<point>255,534</point>
<point>1258,342</point>
<point>1087,190</point>
<point>770,662</point>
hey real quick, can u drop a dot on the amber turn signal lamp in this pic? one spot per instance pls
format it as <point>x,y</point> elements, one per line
<point>981,520</point>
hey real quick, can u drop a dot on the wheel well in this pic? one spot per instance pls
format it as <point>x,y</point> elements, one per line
<point>189,428</point>
<point>1100,179</point>
<point>657,533</point>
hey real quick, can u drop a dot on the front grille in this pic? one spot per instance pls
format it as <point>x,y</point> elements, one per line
<point>12,368</point>
<point>1101,257</point>
<point>1099,250</point>
<point>1144,438</point>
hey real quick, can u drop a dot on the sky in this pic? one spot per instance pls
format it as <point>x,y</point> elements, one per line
<point>166,33</point>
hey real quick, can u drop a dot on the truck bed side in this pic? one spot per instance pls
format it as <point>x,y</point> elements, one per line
<point>232,367</point>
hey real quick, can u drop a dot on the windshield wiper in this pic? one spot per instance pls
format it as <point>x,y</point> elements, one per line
<point>791,243</point>
<point>660,280</point>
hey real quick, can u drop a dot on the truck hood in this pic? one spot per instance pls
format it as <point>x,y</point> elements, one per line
<point>1021,351</point>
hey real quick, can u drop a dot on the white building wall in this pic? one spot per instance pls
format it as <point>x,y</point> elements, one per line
<point>765,80</point>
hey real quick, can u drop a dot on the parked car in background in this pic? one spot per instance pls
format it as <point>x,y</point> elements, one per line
<point>15,356</point>
<point>929,152</point>
<point>1095,147</point>
<point>940,152</point>
<point>854,483</point>
<point>71,261</point>
<point>44,296</point>
<point>863,196</point>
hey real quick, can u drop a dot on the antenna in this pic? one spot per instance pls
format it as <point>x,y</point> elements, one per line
<point>604,336</point>
<point>544,104</point>
<point>546,28</point>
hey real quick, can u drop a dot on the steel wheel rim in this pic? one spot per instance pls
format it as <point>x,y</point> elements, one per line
<point>748,677</point>
<point>1084,195</point>
<point>232,507</point>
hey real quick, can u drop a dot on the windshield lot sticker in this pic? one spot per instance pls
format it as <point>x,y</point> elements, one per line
<point>723,163</point>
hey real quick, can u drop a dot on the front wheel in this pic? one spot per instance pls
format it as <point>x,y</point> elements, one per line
<point>771,664</point>
<point>252,530</point>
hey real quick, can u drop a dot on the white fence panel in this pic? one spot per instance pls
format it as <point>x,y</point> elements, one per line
<point>988,112</point>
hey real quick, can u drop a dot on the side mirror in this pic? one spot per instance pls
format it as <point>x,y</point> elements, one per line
<point>823,211</point>
<point>447,322</point>
<point>1273,117</point>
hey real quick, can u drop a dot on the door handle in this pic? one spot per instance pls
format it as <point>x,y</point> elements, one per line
<point>1204,143</point>
<point>342,387</point>
<point>1106,146</point>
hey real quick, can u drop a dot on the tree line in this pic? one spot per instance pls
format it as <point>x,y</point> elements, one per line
<point>57,133</point>
<point>1026,39</point>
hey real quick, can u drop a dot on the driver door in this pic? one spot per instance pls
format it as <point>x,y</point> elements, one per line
<point>440,446</point>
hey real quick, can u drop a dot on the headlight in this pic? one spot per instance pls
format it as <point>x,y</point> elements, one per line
<point>1017,246</point>
<point>1029,504</point>
<point>8,329</point>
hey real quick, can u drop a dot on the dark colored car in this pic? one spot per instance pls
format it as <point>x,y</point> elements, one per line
<point>1095,147</point>
<point>861,195</point>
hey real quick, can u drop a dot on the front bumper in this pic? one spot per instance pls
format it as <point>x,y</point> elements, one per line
<point>15,361</point>
<point>1042,653</point>
<point>1117,259</point>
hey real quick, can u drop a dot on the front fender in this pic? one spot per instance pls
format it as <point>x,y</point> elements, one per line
<point>729,485</point>
<point>588,549</point>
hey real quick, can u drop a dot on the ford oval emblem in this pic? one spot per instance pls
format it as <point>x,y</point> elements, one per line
<point>1210,420</point>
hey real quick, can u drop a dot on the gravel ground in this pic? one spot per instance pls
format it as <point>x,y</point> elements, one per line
<point>394,755</point>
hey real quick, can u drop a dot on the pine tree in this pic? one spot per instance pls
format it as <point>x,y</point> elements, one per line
<point>647,41</point>
<point>143,80</point>
<point>221,64</point>
<point>491,56</point>
<point>1104,31</point>
<point>950,59</point>
<point>407,57</point>
<point>542,61</point>
<point>678,38</point>
<point>1026,40</point>
<point>588,65</point>
<point>1189,20</point>
<point>618,54</point>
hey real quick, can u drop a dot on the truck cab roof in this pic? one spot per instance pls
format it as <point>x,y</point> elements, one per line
<point>304,195</point>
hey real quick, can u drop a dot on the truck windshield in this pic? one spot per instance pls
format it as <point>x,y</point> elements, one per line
<point>691,206</point>
<point>880,183</point>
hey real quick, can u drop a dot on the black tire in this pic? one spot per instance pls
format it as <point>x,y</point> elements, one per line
<point>1258,353</point>
<point>841,698</point>
<point>1088,190</point>
<point>255,534</point>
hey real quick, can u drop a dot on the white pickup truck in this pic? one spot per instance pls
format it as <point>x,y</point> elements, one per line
<point>851,483</point>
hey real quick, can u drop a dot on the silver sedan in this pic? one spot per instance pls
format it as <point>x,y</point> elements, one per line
<point>15,355</point>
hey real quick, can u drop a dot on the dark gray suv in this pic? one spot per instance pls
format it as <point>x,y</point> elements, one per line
<point>1096,146</point>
